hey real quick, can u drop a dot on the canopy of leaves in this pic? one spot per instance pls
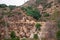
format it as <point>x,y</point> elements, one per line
<point>3,5</point>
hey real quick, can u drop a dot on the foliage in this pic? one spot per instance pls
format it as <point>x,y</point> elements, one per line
<point>12,35</point>
<point>35,36</point>
<point>34,12</point>
<point>11,7</point>
<point>46,15</point>
<point>58,35</point>
<point>3,5</point>
<point>24,39</point>
<point>16,38</point>
<point>38,26</point>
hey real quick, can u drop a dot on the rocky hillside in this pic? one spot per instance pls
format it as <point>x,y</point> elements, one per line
<point>36,19</point>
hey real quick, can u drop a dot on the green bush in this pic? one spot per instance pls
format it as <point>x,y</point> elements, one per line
<point>35,36</point>
<point>46,15</point>
<point>12,35</point>
<point>24,39</point>
<point>14,39</point>
<point>38,26</point>
<point>3,5</point>
<point>58,35</point>
<point>30,11</point>
<point>18,38</point>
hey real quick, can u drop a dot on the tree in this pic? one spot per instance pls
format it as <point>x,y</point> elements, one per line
<point>3,5</point>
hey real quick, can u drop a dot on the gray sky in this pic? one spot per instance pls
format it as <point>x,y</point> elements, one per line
<point>13,2</point>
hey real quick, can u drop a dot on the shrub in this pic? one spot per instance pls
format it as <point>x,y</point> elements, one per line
<point>38,26</point>
<point>35,36</point>
<point>14,39</point>
<point>46,15</point>
<point>12,35</point>
<point>58,35</point>
<point>24,39</point>
<point>18,38</point>
<point>33,12</point>
<point>3,5</point>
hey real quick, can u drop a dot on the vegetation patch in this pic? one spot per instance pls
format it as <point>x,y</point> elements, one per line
<point>3,5</point>
<point>35,36</point>
<point>30,11</point>
<point>38,26</point>
<point>13,36</point>
<point>58,35</point>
